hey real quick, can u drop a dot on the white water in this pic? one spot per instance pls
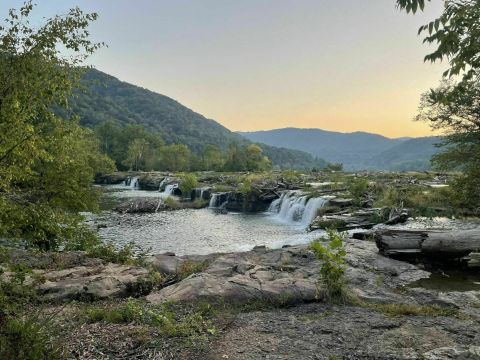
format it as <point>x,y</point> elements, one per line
<point>294,208</point>
<point>163,183</point>
<point>169,189</point>
<point>213,201</point>
<point>133,183</point>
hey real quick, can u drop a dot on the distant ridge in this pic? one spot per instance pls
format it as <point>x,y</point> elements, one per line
<point>107,98</point>
<point>356,150</point>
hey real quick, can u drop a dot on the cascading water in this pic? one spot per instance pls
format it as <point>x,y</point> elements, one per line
<point>162,183</point>
<point>133,183</point>
<point>213,201</point>
<point>170,188</point>
<point>295,208</point>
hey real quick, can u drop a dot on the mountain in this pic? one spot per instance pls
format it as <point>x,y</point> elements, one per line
<point>104,97</point>
<point>412,154</point>
<point>356,151</point>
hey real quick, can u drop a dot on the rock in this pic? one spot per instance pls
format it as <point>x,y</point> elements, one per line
<point>150,181</point>
<point>142,205</point>
<point>201,194</point>
<point>341,203</point>
<point>99,282</point>
<point>283,275</point>
<point>472,352</point>
<point>166,264</point>
<point>114,178</point>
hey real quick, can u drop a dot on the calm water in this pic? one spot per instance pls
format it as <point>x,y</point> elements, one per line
<point>194,231</point>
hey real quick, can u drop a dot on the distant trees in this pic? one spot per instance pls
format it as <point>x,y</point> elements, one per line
<point>134,148</point>
<point>454,105</point>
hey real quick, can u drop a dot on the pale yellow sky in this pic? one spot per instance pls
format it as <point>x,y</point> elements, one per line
<point>343,65</point>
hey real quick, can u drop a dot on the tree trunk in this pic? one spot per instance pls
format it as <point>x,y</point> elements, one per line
<point>431,244</point>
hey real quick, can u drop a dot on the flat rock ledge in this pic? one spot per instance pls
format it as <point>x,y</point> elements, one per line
<point>279,276</point>
<point>288,275</point>
<point>94,282</point>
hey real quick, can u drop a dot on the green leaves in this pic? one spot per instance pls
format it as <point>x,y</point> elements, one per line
<point>333,263</point>
<point>47,163</point>
<point>455,34</point>
<point>411,5</point>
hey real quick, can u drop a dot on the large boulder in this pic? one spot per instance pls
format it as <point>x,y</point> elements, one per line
<point>98,282</point>
<point>277,276</point>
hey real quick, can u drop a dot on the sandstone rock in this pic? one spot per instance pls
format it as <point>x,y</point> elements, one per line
<point>99,282</point>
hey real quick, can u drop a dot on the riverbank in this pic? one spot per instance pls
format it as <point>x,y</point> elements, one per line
<point>257,304</point>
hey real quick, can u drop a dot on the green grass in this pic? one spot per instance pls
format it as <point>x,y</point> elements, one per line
<point>194,322</point>
<point>190,267</point>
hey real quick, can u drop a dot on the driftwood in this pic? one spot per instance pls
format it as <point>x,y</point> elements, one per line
<point>429,244</point>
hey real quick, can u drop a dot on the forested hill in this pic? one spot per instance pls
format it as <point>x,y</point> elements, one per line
<point>107,98</point>
<point>357,150</point>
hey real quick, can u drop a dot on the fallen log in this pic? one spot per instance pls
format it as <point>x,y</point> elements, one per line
<point>427,243</point>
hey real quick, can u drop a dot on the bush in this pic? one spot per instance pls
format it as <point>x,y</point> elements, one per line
<point>188,182</point>
<point>333,265</point>
<point>358,188</point>
<point>22,336</point>
<point>110,253</point>
<point>26,339</point>
<point>172,203</point>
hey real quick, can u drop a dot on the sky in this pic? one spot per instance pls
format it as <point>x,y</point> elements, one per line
<point>340,65</point>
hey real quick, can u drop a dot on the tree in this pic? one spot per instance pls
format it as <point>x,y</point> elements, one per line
<point>235,158</point>
<point>47,163</point>
<point>212,158</point>
<point>175,157</point>
<point>136,153</point>
<point>256,161</point>
<point>454,106</point>
<point>456,109</point>
<point>455,34</point>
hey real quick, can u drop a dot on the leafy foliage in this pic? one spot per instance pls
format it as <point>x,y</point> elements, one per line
<point>47,163</point>
<point>333,264</point>
<point>23,337</point>
<point>455,34</point>
<point>454,106</point>
<point>188,182</point>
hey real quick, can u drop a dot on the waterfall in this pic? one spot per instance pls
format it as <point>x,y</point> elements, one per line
<point>165,179</point>
<point>132,182</point>
<point>219,200</point>
<point>170,188</point>
<point>311,209</point>
<point>213,201</point>
<point>296,208</point>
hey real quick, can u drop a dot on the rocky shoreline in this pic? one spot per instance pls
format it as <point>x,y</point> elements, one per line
<point>298,319</point>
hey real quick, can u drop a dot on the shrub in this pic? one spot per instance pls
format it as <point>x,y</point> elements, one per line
<point>358,188</point>
<point>172,203</point>
<point>190,267</point>
<point>333,265</point>
<point>22,336</point>
<point>188,182</point>
<point>110,253</point>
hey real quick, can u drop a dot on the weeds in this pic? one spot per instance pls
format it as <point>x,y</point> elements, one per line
<point>162,317</point>
<point>332,271</point>
<point>190,267</point>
